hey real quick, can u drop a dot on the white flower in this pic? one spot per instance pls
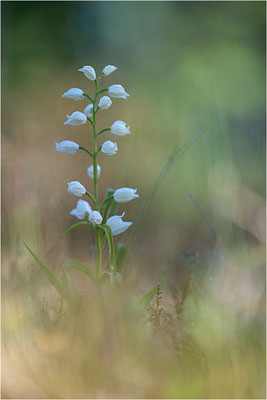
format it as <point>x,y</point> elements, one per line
<point>95,218</point>
<point>90,171</point>
<point>82,208</point>
<point>89,72</point>
<point>117,91</point>
<point>105,102</point>
<point>88,111</point>
<point>109,148</point>
<point>74,94</point>
<point>117,225</point>
<point>67,146</point>
<point>119,128</point>
<point>76,188</point>
<point>124,195</point>
<point>108,69</point>
<point>76,118</point>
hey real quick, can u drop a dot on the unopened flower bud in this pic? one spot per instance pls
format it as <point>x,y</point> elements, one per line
<point>76,188</point>
<point>74,94</point>
<point>90,171</point>
<point>67,146</point>
<point>76,118</point>
<point>123,195</point>
<point>119,128</point>
<point>82,209</point>
<point>109,148</point>
<point>117,225</point>
<point>108,69</point>
<point>117,91</point>
<point>95,218</point>
<point>105,102</point>
<point>89,72</point>
<point>88,111</point>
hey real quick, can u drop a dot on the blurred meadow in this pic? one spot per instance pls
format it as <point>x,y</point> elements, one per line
<point>188,66</point>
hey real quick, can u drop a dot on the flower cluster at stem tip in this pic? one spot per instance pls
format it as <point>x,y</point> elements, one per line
<point>119,128</point>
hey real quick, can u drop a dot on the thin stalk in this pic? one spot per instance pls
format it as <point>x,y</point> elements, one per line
<point>92,198</point>
<point>88,97</point>
<point>98,254</point>
<point>92,123</point>
<point>102,131</point>
<point>102,91</point>
<point>86,150</point>
<point>95,144</point>
<point>97,236</point>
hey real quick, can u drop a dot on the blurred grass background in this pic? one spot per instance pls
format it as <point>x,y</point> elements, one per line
<point>188,66</point>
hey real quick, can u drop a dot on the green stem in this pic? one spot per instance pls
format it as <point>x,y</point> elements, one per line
<point>102,131</point>
<point>112,254</point>
<point>92,198</point>
<point>86,150</point>
<point>102,91</point>
<point>95,144</point>
<point>98,254</point>
<point>92,122</point>
<point>87,95</point>
<point>96,231</point>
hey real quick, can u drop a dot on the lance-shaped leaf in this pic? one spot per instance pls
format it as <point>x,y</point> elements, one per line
<point>50,276</point>
<point>80,267</point>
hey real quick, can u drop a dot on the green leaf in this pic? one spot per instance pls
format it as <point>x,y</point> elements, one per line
<point>80,267</point>
<point>76,225</point>
<point>148,297</point>
<point>121,252</point>
<point>108,204</point>
<point>50,276</point>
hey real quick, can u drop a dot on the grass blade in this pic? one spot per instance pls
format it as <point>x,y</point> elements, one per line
<point>50,276</point>
<point>175,155</point>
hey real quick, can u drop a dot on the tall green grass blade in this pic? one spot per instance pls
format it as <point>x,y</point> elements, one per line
<point>50,276</point>
<point>80,267</point>
<point>148,297</point>
<point>175,155</point>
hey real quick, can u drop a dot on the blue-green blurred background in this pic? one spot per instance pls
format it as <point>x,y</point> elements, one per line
<point>188,66</point>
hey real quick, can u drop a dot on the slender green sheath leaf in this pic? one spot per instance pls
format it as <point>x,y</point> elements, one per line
<point>83,223</point>
<point>80,267</point>
<point>175,155</point>
<point>50,276</point>
<point>148,297</point>
<point>121,252</point>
